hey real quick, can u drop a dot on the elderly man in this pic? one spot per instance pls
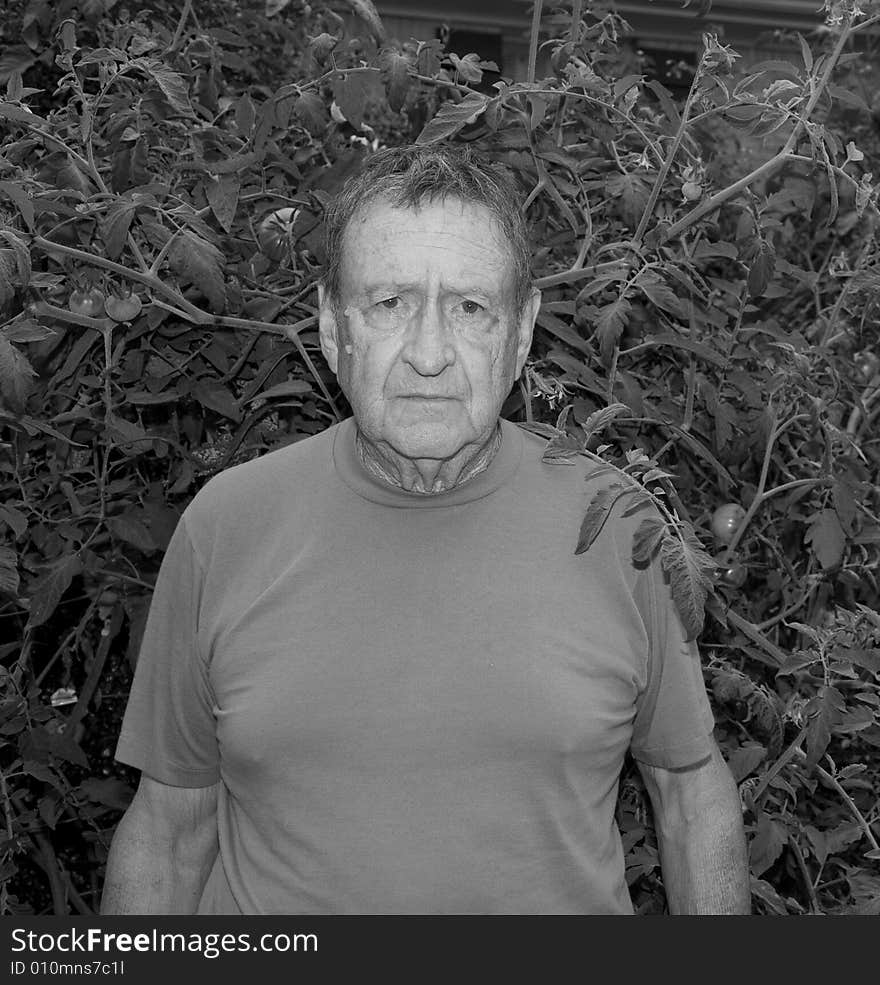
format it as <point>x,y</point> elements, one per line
<point>375,677</point>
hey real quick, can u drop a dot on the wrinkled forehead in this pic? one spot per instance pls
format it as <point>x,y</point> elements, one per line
<point>448,234</point>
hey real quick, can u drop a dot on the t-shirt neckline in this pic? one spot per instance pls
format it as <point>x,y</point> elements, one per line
<point>351,470</point>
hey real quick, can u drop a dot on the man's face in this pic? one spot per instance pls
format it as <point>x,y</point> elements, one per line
<point>425,338</point>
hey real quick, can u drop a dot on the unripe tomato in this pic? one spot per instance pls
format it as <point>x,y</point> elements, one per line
<point>86,301</point>
<point>733,575</point>
<point>867,364</point>
<point>275,233</point>
<point>725,521</point>
<point>691,191</point>
<point>123,309</point>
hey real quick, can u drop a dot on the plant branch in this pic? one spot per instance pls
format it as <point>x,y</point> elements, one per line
<point>533,42</point>
<point>709,205</point>
<point>660,180</point>
<point>850,803</point>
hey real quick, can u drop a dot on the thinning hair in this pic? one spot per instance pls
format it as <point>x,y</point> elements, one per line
<point>409,177</point>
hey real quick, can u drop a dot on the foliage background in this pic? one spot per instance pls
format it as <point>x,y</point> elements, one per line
<point>709,330</point>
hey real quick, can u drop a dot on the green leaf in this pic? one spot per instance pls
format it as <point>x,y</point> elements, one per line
<point>222,194</point>
<point>646,539</point>
<point>689,568</point>
<point>633,193</point>
<point>245,114</point>
<point>848,97</point>
<point>236,163</point>
<point>744,760</point>
<point>8,571</point>
<point>310,108</point>
<point>453,117</point>
<point>24,329</point>
<point>600,419</point>
<point>290,388</point>
<point>115,226</point>
<point>20,197</point>
<point>47,594</point>
<point>597,513</point>
<point>132,531</point>
<point>196,260</point>
<point>353,91</point>
<point>218,398</point>
<point>132,437</point>
<point>762,267</point>
<point>664,97</point>
<point>562,449</point>
<point>823,712</point>
<point>14,59</point>
<point>109,792</point>
<point>16,376</point>
<point>19,115</point>
<point>869,659</point>
<point>22,256</point>
<point>173,86</point>
<point>468,68</point>
<point>610,321</point>
<point>660,294</point>
<point>766,846</point>
<point>395,68</point>
<point>827,539</point>
<point>14,519</point>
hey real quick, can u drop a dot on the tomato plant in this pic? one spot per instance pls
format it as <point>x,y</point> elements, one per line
<point>709,271</point>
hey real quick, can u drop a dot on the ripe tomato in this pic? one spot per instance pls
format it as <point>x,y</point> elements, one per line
<point>123,309</point>
<point>86,301</point>
<point>275,233</point>
<point>725,520</point>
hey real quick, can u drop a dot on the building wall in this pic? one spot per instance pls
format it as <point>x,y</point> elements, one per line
<point>755,28</point>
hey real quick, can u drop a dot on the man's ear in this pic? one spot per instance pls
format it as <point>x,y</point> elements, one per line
<point>526,328</point>
<point>328,328</point>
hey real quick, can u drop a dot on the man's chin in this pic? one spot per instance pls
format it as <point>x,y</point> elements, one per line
<point>433,442</point>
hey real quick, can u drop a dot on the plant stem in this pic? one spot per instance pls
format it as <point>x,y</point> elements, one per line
<point>578,273</point>
<point>660,180</point>
<point>851,805</point>
<point>576,11</point>
<point>533,43</point>
<point>711,204</point>
<point>805,875</point>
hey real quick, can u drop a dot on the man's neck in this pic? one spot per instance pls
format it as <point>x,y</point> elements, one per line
<point>428,476</point>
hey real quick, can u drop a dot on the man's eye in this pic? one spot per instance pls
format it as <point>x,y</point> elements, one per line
<point>390,303</point>
<point>471,307</point>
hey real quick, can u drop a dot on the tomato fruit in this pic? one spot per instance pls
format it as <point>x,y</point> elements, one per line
<point>733,575</point>
<point>725,521</point>
<point>123,309</point>
<point>275,233</point>
<point>86,302</point>
<point>691,191</point>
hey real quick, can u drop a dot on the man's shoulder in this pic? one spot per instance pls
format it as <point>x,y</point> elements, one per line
<point>264,482</point>
<point>566,488</point>
<point>581,473</point>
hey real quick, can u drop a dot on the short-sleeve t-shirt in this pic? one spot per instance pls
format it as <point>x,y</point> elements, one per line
<point>413,704</point>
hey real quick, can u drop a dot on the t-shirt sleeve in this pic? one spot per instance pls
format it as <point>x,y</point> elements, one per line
<point>674,721</point>
<point>168,731</point>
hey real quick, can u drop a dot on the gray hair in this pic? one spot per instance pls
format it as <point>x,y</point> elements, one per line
<point>408,177</point>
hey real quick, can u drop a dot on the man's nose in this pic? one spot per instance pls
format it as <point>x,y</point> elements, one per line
<point>428,347</point>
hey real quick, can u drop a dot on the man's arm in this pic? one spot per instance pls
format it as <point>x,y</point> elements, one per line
<point>162,851</point>
<point>698,819</point>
